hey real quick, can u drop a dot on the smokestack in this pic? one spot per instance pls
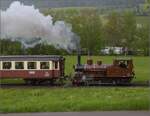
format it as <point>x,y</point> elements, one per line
<point>78,49</point>
<point>79,58</point>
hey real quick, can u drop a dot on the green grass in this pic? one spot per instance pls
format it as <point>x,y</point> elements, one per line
<point>141,67</point>
<point>73,99</point>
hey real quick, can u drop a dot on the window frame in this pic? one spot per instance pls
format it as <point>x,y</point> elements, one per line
<point>36,68</point>
<point>17,62</point>
<point>46,62</point>
<point>2,65</point>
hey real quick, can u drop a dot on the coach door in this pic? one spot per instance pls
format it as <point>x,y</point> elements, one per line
<point>55,68</point>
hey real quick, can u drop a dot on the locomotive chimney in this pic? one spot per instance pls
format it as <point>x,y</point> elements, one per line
<point>78,49</point>
<point>79,57</point>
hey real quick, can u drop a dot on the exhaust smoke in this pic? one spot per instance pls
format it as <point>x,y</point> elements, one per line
<point>27,25</point>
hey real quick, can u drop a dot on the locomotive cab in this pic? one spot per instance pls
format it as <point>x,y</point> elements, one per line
<point>123,63</point>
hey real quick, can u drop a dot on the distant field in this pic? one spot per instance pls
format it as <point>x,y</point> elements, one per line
<point>141,66</point>
<point>73,99</point>
<point>143,20</point>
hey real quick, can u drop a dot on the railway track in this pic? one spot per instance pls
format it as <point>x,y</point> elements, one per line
<point>22,85</point>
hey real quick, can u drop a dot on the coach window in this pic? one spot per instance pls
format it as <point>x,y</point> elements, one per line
<point>44,65</point>
<point>19,65</point>
<point>31,65</point>
<point>7,65</point>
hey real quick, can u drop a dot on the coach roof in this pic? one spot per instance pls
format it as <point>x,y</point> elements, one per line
<point>31,58</point>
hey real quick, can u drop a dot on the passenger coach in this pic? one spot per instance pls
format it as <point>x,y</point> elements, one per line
<point>33,69</point>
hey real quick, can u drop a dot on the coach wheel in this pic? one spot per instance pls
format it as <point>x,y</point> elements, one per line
<point>30,82</point>
<point>26,82</point>
<point>51,82</point>
<point>33,82</point>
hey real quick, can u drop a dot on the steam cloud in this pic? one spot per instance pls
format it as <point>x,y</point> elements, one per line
<point>27,25</point>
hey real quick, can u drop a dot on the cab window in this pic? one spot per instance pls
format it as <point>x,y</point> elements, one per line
<point>19,65</point>
<point>44,65</point>
<point>31,65</point>
<point>123,64</point>
<point>7,65</point>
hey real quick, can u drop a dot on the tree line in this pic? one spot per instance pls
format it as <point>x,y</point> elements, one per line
<point>116,29</point>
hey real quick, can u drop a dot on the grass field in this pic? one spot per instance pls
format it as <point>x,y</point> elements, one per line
<point>73,99</point>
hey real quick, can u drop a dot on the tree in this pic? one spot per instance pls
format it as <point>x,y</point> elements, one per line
<point>8,47</point>
<point>129,27</point>
<point>146,6</point>
<point>142,39</point>
<point>113,30</point>
<point>45,49</point>
<point>88,26</point>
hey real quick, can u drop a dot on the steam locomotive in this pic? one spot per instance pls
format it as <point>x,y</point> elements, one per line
<point>36,69</point>
<point>120,72</point>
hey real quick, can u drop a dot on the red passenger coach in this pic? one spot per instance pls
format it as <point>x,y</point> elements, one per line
<point>32,68</point>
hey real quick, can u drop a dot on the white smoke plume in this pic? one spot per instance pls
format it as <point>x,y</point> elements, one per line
<point>27,25</point>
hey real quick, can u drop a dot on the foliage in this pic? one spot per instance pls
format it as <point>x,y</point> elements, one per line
<point>142,39</point>
<point>146,6</point>
<point>113,30</point>
<point>123,30</point>
<point>129,30</point>
<point>10,47</point>
<point>88,26</point>
<point>44,49</point>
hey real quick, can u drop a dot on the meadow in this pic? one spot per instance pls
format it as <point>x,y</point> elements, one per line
<point>74,99</point>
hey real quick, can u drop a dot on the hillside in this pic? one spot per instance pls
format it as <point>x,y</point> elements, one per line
<point>42,4</point>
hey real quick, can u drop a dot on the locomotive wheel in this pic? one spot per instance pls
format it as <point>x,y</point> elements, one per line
<point>114,82</point>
